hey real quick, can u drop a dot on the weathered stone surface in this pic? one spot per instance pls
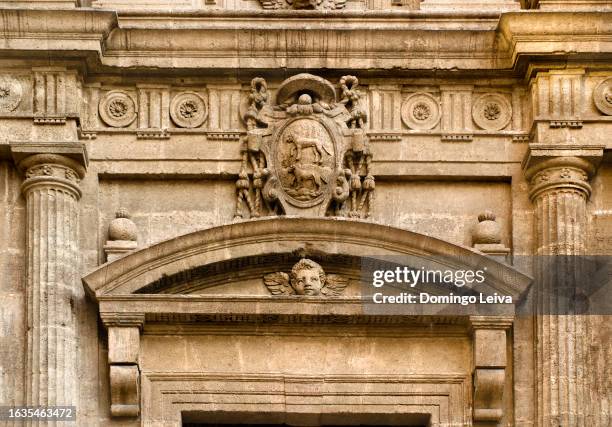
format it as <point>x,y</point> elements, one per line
<point>467,132</point>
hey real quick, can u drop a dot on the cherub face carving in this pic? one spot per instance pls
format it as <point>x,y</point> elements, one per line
<point>307,278</point>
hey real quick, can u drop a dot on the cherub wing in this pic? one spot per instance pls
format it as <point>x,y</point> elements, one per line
<point>334,285</point>
<point>278,283</point>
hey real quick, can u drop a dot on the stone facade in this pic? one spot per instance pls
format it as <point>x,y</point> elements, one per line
<point>188,188</point>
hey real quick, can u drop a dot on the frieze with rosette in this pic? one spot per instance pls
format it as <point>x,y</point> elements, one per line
<point>492,111</point>
<point>421,111</point>
<point>188,110</point>
<point>602,96</point>
<point>117,109</point>
<point>11,93</point>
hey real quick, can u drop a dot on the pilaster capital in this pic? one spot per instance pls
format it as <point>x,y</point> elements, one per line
<point>60,165</point>
<point>114,319</point>
<point>561,166</point>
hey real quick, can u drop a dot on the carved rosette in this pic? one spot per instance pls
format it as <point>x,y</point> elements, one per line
<point>11,93</point>
<point>188,110</point>
<point>420,111</point>
<point>492,111</point>
<point>602,95</point>
<point>117,109</point>
<point>309,154</point>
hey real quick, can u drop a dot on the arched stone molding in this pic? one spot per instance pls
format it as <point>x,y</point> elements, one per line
<point>331,236</point>
<point>131,292</point>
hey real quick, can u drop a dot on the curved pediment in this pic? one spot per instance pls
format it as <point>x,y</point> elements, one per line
<point>215,261</point>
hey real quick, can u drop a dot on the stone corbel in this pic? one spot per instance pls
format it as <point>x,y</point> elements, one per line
<point>489,372</point>
<point>123,349</point>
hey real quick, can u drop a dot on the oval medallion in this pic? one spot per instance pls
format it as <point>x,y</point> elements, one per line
<point>304,161</point>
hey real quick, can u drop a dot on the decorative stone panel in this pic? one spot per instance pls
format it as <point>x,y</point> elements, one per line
<point>188,110</point>
<point>307,155</point>
<point>56,95</point>
<point>557,97</point>
<point>421,111</point>
<point>384,103</point>
<point>153,106</point>
<point>492,111</point>
<point>457,113</point>
<point>117,109</point>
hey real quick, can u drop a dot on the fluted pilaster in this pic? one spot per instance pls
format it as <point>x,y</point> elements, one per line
<point>51,189</point>
<point>559,190</point>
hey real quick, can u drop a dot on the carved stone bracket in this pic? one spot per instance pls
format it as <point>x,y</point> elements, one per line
<point>123,350</point>
<point>489,374</point>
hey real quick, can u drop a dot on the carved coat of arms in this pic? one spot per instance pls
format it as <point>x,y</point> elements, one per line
<point>306,155</point>
<point>306,278</point>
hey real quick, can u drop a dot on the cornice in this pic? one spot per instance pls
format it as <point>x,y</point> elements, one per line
<point>555,34</point>
<point>62,30</point>
<point>356,40</point>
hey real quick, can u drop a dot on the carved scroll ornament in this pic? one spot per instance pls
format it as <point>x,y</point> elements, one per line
<point>307,155</point>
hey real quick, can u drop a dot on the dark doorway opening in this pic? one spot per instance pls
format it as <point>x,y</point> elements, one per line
<point>260,419</point>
